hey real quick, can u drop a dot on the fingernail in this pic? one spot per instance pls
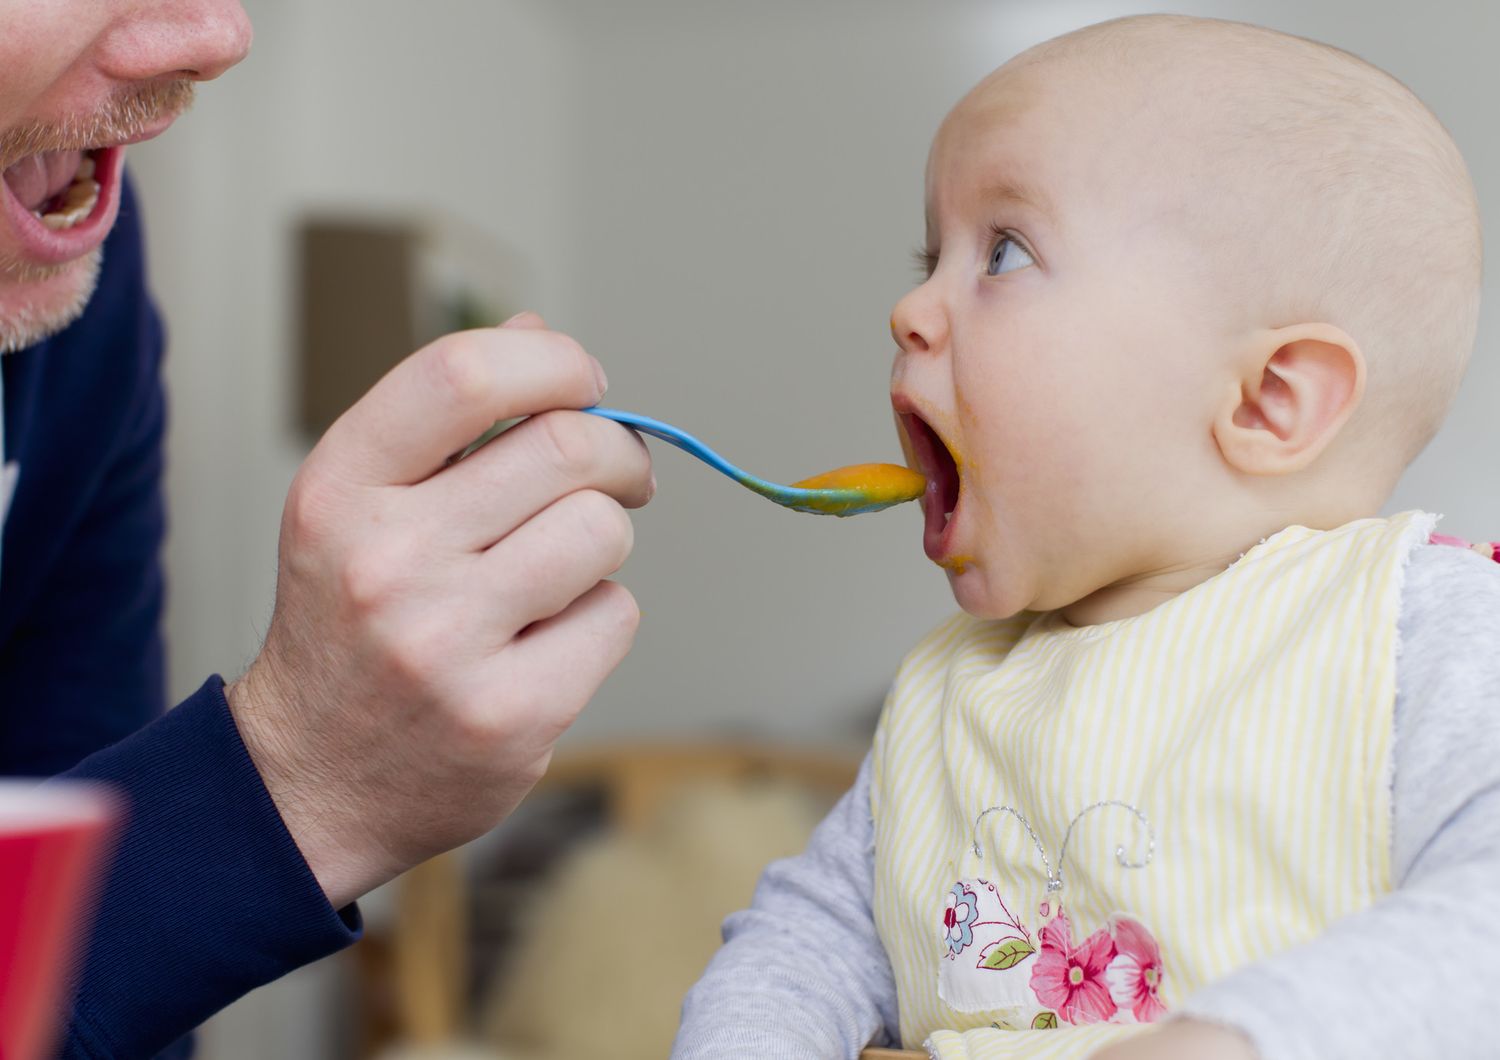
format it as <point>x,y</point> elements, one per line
<point>515,318</point>
<point>601,377</point>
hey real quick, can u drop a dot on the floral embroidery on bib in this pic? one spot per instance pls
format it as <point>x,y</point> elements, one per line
<point>1135,973</point>
<point>1036,975</point>
<point>996,963</point>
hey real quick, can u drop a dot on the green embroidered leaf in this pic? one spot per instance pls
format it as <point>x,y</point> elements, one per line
<point>1045,1021</point>
<point>1007,954</point>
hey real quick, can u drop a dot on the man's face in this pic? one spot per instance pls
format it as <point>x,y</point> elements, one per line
<point>79,79</point>
<point>1051,374</point>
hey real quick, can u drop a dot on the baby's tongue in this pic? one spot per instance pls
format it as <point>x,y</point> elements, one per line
<point>37,178</point>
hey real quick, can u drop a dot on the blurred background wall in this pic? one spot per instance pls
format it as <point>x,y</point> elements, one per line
<point>718,199</point>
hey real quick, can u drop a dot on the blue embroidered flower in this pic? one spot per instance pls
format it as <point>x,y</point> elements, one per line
<point>959,917</point>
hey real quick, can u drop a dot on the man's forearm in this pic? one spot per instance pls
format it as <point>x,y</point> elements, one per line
<point>206,898</point>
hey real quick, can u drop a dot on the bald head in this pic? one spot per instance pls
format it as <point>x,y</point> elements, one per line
<point>1317,188</point>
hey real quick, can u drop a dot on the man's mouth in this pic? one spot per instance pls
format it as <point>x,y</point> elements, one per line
<point>61,189</point>
<point>935,460</point>
<point>58,187</point>
<point>59,205</point>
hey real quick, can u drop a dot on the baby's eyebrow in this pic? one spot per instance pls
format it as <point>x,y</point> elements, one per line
<point>1006,189</point>
<point>1011,191</point>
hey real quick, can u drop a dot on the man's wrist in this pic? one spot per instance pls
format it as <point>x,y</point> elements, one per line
<point>304,796</point>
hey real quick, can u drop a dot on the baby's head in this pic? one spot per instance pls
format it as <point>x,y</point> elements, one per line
<point>1190,282</point>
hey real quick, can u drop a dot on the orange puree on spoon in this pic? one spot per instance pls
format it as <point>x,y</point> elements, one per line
<point>882,484</point>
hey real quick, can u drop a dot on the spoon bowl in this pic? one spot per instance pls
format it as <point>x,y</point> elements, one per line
<point>843,491</point>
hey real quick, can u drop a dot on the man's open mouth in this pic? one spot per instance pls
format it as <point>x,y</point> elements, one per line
<point>60,205</point>
<point>58,187</point>
<point>935,460</point>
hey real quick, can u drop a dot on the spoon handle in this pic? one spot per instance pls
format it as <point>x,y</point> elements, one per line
<point>688,444</point>
<point>835,499</point>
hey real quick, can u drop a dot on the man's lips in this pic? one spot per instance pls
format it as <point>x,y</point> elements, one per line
<point>79,214</point>
<point>80,219</point>
<point>151,132</point>
<point>941,500</point>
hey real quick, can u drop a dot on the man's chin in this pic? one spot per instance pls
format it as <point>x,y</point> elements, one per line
<point>36,304</point>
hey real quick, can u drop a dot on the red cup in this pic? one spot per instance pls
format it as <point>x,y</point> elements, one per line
<point>52,843</point>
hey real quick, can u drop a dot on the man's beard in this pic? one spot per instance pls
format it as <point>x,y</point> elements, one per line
<point>24,323</point>
<point>36,302</point>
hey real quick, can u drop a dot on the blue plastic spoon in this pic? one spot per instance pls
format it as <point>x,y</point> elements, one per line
<point>843,491</point>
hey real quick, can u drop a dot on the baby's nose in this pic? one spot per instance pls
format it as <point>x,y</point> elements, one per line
<point>918,323</point>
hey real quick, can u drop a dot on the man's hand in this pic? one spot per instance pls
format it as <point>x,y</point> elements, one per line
<point>1183,1039</point>
<point>439,624</point>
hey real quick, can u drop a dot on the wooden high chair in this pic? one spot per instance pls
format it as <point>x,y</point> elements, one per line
<point>414,985</point>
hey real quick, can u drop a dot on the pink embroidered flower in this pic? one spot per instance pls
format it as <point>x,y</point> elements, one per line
<point>1070,979</point>
<point>1135,974</point>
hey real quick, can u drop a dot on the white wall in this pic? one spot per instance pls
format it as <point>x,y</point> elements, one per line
<point>718,198</point>
<point>335,107</point>
<point>373,105</point>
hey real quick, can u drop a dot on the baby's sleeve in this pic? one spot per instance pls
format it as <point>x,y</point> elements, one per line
<point>802,973</point>
<point>1412,975</point>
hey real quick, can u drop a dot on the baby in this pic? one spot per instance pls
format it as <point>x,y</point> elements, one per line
<point>1212,748</point>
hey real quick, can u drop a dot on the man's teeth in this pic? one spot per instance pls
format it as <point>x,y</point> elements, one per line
<point>78,201</point>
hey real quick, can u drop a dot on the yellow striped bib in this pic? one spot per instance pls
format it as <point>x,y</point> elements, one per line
<point>1077,827</point>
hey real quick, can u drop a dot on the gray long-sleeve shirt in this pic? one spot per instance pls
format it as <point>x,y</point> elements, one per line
<point>802,973</point>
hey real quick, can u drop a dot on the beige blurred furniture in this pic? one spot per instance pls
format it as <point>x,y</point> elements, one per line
<point>411,987</point>
<point>431,952</point>
<point>636,779</point>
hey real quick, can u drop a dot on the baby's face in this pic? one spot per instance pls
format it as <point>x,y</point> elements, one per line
<point>1060,350</point>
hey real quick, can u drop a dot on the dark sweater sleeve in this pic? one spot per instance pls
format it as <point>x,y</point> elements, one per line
<point>206,895</point>
<point>81,590</point>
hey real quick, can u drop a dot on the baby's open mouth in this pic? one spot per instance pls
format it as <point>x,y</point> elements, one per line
<point>58,187</point>
<point>934,460</point>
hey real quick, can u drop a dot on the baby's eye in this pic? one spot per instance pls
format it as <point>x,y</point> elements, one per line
<point>1008,255</point>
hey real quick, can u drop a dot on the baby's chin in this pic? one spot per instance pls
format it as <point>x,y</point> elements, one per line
<point>976,590</point>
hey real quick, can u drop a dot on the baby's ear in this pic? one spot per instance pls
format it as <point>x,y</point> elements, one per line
<point>1296,388</point>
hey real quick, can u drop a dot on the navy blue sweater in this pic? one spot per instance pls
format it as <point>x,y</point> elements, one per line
<point>207,896</point>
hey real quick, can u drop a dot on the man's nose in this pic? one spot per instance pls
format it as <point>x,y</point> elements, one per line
<point>193,39</point>
<point>919,322</point>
